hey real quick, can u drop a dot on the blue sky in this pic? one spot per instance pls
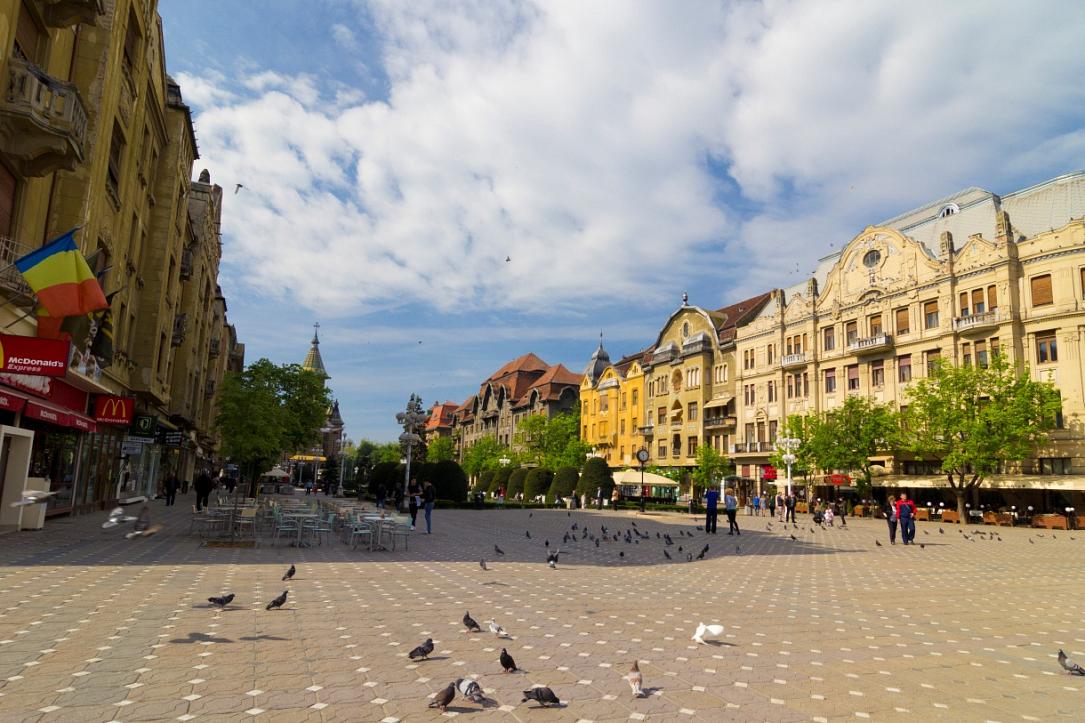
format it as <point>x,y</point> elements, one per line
<point>393,155</point>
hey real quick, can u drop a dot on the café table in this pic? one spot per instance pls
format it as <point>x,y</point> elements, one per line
<point>301,517</point>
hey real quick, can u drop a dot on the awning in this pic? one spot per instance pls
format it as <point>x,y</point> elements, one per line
<point>1064,483</point>
<point>308,458</point>
<point>632,477</point>
<point>44,411</point>
<point>721,402</point>
<point>12,401</point>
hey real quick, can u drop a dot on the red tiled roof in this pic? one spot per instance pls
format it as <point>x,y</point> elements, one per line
<point>441,415</point>
<point>740,313</point>
<point>526,363</point>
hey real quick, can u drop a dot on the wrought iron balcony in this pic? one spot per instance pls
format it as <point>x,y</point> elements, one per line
<point>647,430</point>
<point>65,13</point>
<point>12,283</point>
<point>793,360</point>
<point>743,447</point>
<point>871,344</point>
<point>43,123</point>
<point>713,422</point>
<point>976,321</point>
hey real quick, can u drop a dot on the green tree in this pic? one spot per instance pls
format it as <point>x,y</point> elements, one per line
<point>440,450</point>
<point>973,420</point>
<point>501,479</point>
<point>449,481</point>
<point>551,442</point>
<point>388,452</point>
<point>596,474</point>
<point>802,428</point>
<point>386,474</point>
<point>483,454</point>
<point>516,483</point>
<point>330,473</point>
<point>537,483</point>
<point>847,437</point>
<point>564,484</point>
<point>710,468</point>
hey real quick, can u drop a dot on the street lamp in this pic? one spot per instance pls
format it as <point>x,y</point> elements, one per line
<point>788,445</point>
<point>410,419</point>
<point>642,457</point>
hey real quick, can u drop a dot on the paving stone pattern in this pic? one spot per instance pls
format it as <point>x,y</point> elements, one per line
<point>94,627</point>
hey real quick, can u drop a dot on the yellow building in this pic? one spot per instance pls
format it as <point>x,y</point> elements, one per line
<point>958,279</point>
<point>612,407</point>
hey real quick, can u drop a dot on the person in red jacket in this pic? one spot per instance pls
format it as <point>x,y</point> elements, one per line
<point>906,516</point>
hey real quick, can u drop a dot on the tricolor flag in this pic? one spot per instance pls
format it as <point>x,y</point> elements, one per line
<point>60,277</point>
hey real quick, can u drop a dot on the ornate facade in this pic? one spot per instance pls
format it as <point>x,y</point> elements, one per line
<point>612,407</point>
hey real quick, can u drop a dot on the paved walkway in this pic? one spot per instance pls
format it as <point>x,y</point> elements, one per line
<point>94,627</point>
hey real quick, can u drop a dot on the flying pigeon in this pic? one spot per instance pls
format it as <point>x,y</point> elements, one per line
<point>507,663</point>
<point>552,559</point>
<point>1070,666</point>
<point>221,601</point>
<point>496,629</point>
<point>237,187</point>
<point>289,574</point>
<point>32,497</point>
<point>541,694</point>
<point>470,624</point>
<point>498,550</point>
<point>145,532</point>
<point>635,680</point>
<point>702,630</point>
<point>116,517</point>
<point>444,697</point>
<point>508,259</point>
<point>470,690</point>
<point>482,564</point>
<point>277,602</point>
<point>422,651</point>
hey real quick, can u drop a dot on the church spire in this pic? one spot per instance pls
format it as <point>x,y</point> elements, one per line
<point>313,362</point>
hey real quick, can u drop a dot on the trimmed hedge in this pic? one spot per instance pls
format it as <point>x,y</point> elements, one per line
<point>501,479</point>
<point>485,479</point>
<point>385,473</point>
<point>537,483</point>
<point>564,483</point>
<point>516,483</point>
<point>449,479</point>
<point>596,474</point>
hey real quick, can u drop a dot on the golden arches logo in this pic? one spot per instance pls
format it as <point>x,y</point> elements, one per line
<point>3,357</point>
<point>115,408</point>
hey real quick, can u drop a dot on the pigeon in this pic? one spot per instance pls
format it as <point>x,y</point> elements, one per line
<point>941,531</point>
<point>444,697</point>
<point>1070,666</point>
<point>542,695</point>
<point>546,544</point>
<point>794,538</point>
<point>552,559</point>
<point>738,550</point>
<point>470,690</point>
<point>877,543</point>
<point>621,554</point>
<point>1030,541</point>
<point>496,629</point>
<point>508,259</point>
<point>666,554</point>
<point>702,630</point>
<point>289,574</point>
<point>422,651</point>
<point>922,546</point>
<point>689,557</point>
<point>116,517</point>
<point>498,550</point>
<point>530,514</point>
<point>32,497</point>
<point>482,564</point>
<point>470,624</point>
<point>704,551</point>
<point>635,680</point>
<point>145,532</point>
<point>528,533</point>
<point>277,602</point>
<point>679,548</point>
<point>507,663</point>
<point>221,601</point>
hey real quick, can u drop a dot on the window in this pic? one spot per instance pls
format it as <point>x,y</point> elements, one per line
<point>1082,282</point>
<point>1041,290</point>
<point>964,304</point>
<point>747,359</point>
<point>904,368</point>
<point>930,314</point>
<point>966,354</point>
<point>685,330</point>
<point>661,414</point>
<point>805,384</point>
<point>691,412</point>
<point>851,332</point>
<point>877,373</point>
<point>922,466</point>
<point>634,426</point>
<point>636,396</point>
<point>875,325</point>
<point>828,339</point>
<point>1047,349</point>
<point>771,391</point>
<point>649,420</point>
<point>992,298</point>
<point>1054,465</point>
<point>871,258</point>
<point>830,381</point>
<point>994,346</point>
<point>981,354</point>
<point>853,377</point>
<point>770,353</point>
<point>621,426</point>
<point>662,450</point>
<point>790,386</point>
<point>621,453</point>
<point>978,305</point>
<point>932,361</point>
<point>772,430</point>
<point>676,380</point>
<point>948,210</point>
<point>691,446</point>
<point>903,322</point>
<point>116,159</point>
<point>623,401</point>
<point>749,394</point>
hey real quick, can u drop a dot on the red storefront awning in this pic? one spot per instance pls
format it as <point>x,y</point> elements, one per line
<point>12,401</point>
<point>46,412</point>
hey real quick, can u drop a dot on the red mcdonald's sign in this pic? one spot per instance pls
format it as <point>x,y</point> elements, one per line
<point>34,356</point>
<point>114,410</point>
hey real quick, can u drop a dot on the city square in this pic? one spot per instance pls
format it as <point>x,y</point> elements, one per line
<point>964,626</point>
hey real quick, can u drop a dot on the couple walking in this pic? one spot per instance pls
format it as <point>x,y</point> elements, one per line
<point>900,512</point>
<point>730,504</point>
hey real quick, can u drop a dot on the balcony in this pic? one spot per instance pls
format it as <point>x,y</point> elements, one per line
<point>793,360</point>
<point>871,344</point>
<point>186,264</point>
<point>975,322</point>
<point>214,348</point>
<point>180,328</point>
<point>43,124</point>
<point>647,430</point>
<point>65,13</point>
<point>746,447</point>
<point>714,422</point>
<point>12,283</point>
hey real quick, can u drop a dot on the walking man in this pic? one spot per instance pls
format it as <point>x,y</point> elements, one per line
<point>203,487</point>
<point>170,485</point>
<point>891,518</point>
<point>906,515</point>
<point>730,503</point>
<point>414,493</point>
<point>599,497</point>
<point>771,503</point>
<point>429,497</point>
<point>711,513</point>
<point>789,507</point>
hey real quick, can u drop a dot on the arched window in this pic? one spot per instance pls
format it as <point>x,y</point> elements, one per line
<point>948,210</point>
<point>685,329</point>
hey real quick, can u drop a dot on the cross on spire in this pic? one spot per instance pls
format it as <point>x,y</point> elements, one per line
<point>316,330</point>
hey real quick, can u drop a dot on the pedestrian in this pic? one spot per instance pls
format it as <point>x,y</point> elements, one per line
<point>839,510</point>
<point>381,493</point>
<point>906,517</point>
<point>429,497</point>
<point>230,484</point>
<point>789,508</point>
<point>308,487</point>
<point>711,513</point>
<point>891,518</point>
<point>781,505</point>
<point>615,496</point>
<point>757,505</point>
<point>397,497</point>
<point>730,505</point>
<point>772,506</point>
<point>202,485</point>
<point>599,497</point>
<point>170,486</point>
<point>829,514</point>
<point>414,495</point>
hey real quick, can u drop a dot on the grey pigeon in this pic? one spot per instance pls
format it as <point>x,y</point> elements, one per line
<point>470,624</point>
<point>552,559</point>
<point>443,698</point>
<point>875,542</point>
<point>422,651</point>
<point>507,662</point>
<point>289,574</point>
<point>498,550</point>
<point>528,533</point>
<point>116,517</point>
<point>704,551</point>
<point>221,601</point>
<point>470,690</point>
<point>666,554</point>
<point>482,564</point>
<point>1070,666</point>
<point>33,497</point>
<point>277,602</point>
<point>542,695</point>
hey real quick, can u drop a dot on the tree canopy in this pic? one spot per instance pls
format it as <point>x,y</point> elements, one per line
<point>710,467</point>
<point>972,420</point>
<point>552,442</point>
<point>848,436</point>
<point>440,450</point>
<point>486,453</point>
<point>595,474</point>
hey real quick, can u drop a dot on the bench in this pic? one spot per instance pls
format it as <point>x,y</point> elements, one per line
<point>949,516</point>
<point>1050,522</point>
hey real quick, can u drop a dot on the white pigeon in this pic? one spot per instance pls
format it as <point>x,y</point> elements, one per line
<point>33,497</point>
<point>635,680</point>
<point>703,629</point>
<point>116,517</point>
<point>497,629</point>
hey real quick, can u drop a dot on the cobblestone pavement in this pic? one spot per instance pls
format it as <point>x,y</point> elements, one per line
<point>826,626</point>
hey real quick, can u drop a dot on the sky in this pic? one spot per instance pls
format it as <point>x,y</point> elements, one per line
<point>447,185</point>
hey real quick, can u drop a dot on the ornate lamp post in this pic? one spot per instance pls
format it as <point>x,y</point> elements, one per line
<point>788,445</point>
<point>642,457</point>
<point>410,419</point>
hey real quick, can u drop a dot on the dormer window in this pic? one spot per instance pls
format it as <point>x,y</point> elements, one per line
<point>685,330</point>
<point>948,210</point>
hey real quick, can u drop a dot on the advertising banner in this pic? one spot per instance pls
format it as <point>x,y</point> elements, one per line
<point>33,356</point>
<point>114,410</point>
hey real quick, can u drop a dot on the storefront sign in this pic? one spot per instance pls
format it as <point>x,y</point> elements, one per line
<point>33,356</point>
<point>114,410</point>
<point>132,446</point>
<point>768,472</point>
<point>144,425</point>
<point>169,437</point>
<point>839,479</point>
<point>11,401</point>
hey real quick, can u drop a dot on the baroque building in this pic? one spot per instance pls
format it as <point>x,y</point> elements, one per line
<point>612,406</point>
<point>959,279</point>
<point>523,387</point>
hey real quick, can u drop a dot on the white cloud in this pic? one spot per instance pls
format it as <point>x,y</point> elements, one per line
<point>576,139</point>
<point>344,37</point>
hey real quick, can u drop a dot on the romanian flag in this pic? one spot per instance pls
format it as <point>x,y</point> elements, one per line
<point>59,275</point>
